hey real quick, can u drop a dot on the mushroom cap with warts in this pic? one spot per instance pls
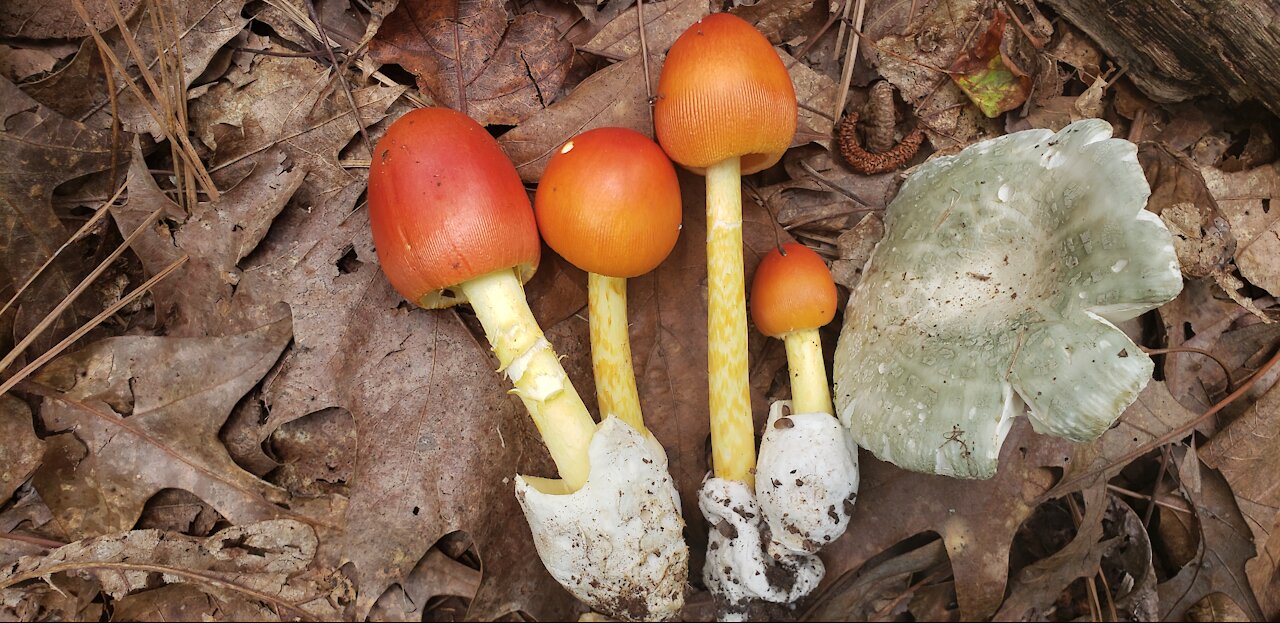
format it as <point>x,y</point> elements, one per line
<point>792,291</point>
<point>446,205</point>
<point>1001,273</point>
<point>609,202</point>
<point>724,93</point>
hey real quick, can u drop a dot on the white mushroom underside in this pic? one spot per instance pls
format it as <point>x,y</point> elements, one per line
<point>617,543</point>
<point>806,478</point>
<point>741,564</point>
<point>996,284</point>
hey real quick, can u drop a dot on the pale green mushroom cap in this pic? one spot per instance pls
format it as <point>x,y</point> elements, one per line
<point>1000,274</point>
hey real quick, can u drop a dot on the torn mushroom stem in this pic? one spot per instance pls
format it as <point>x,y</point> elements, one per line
<point>611,350</point>
<point>810,392</point>
<point>527,358</point>
<point>732,430</point>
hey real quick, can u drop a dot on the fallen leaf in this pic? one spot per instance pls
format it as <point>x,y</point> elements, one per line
<point>861,597</point>
<point>437,575</point>
<point>1224,547</point>
<point>984,75</point>
<point>468,57</point>
<point>814,92</point>
<point>56,599</point>
<point>1247,452</point>
<point>612,97</point>
<point>21,450</point>
<point>1198,318</point>
<point>56,19</point>
<point>43,150</point>
<point>1245,198</point>
<point>317,453</point>
<point>217,235</point>
<point>664,22</point>
<point>1202,237</point>
<point>788,22</point>
<point>20,64</point>
<point>855,247</point>
<point>185,602</point>
<point>268,562</point>
<point>139,414</point>
<point>977,519</point>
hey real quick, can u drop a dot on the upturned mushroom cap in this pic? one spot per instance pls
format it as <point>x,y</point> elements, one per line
<point>723,93</point>
<point>1000,274</point>
<point>609,202</point>
<point>446,205</point>
<point>792,291</point>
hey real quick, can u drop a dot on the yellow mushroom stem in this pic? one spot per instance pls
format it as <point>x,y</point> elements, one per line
<point>810,392</point>
<point>733,448</point>
<point>527,358</point>
<point>611,350</point>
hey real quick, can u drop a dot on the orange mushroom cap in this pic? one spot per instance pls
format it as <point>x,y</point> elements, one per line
<point>723,93</point>
<point>792,292</point>
<point>446,205</point>
<point>609,202</point>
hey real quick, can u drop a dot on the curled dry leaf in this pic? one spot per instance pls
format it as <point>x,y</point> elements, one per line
<point>21,450</point>
<point>986,75</point>
<point>1201,235</point>
<point>268,563</point>
<point>437,575</point>
<point>468,57</point>
<point>1247,452</point>
<point>140,414</point>
<point>1246,198</point>
<point>1224,546</point>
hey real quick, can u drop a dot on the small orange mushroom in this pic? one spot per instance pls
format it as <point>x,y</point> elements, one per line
<point>609,202</point>
<point>792,296</point>
<point>726,107</point>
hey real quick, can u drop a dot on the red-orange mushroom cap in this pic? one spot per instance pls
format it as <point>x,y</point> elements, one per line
<point>446,205</point>
<point>792,292</point>
<point>609,202</point>
<point>724,93</point>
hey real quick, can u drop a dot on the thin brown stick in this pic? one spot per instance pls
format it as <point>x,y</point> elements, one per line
<point>89,326</point>
<point>1187,349</point>
<point>75,293</point>
<point>1150,499</point>
<point>33,540</point>
<point>644,57</point>
<point>850,59</point>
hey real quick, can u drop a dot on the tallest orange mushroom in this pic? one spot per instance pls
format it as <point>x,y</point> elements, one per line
<point>726,107</point>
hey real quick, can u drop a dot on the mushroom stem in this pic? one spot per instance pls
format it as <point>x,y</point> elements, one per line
<point>732,430</point>
<point>809,390</point>
<point>533,367</point>
<point>611,350</point>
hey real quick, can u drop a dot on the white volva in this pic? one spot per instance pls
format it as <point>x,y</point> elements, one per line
<point>617,542</point>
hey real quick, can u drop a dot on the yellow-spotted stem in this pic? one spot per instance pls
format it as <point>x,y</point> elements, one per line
<point>533,367</point>
<point>732,430</point>
<point>810,392</point>
<point>611,350</point>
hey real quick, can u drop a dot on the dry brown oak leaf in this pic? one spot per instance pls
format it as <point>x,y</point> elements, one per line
<point>134,415</point>
<point>42,150</point>
<point>1224,545</point>
<point>466,56</point>
<point>20,449</point>
<point>1247,452</point>
<point>264,568</point>
<point>1248,199</point>
<point>57,19</point>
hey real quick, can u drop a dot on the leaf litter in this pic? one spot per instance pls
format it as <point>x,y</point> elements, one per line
<point>272,433</point>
